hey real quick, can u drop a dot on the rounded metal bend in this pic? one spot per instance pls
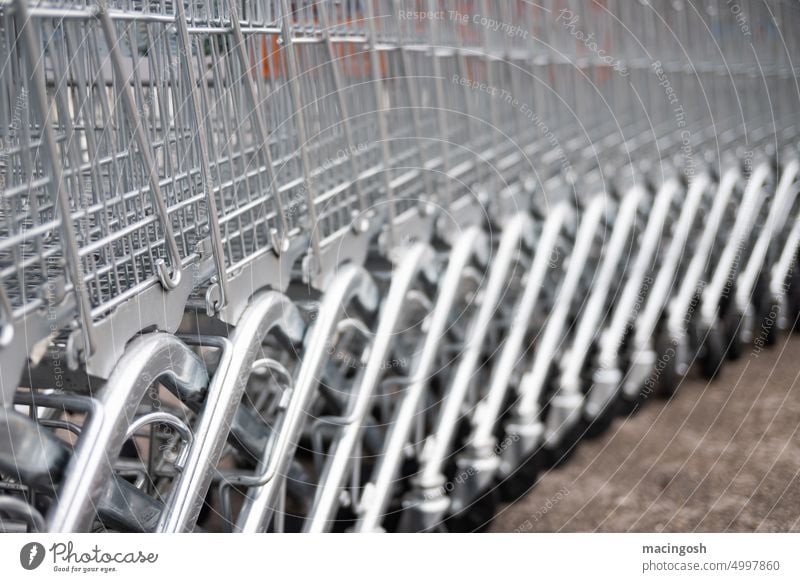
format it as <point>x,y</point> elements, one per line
<point>491,406</point>
<point>417,258</point>
<point>728,265</point>
<point>471,245</point>
<point>268,313</point>
<point>352,283</point>
<point>517,235</point>
<point>13,506</point>
<point>782,203</point>
<point>693,282</point>
<point>665,279</point>
<point>147,359</point>
<point>552,336</point>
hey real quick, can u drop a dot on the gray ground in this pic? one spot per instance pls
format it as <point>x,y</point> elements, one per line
<point>720,456</point>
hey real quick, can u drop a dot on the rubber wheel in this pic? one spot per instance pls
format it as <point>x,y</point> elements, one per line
<point>773,312</point>
<point>476,517</point>
<point>345,520</point>
<point>730,321</point>
<point>712,353</point>
<point>523,479</point>
<point>667,376</point>
<point>603,421</point>
<point>631,406</point>
<point>762,303</point>
<point>793,300</point>
<point>392,516</point>
<point>558,455</point>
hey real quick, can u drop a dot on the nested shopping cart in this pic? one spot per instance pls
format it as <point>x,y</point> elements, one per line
<point>110,213</point>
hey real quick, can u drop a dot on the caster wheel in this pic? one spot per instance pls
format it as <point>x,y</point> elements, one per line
<point>730,323</point>
<point>291,524</point>
<point>793,301</point>
<point>392,518</point>
<point>765,322</point>
<point>712,353</point>
<point>476,517</point>
<point>523,479</point>
<point>667,377</point>
<point>559,454</point>
<point>631,406</point>
<point>603,421</point>
<point>345,520</point>
<point>771,322</point>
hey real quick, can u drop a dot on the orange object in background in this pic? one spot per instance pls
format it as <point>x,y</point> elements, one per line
<point>271,59</point>
<point>353,59</point>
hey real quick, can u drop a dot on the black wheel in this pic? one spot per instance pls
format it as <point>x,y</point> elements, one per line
<point>476,517</point>
<point>627,405</point>
<point>730,321</point>
<point>765,322</point>
<point>595,426</point>
<point>408,469</point>
<point>712,352</point>
<point>793,300</point>
<point>631,406</point>
<point>523,479</point>
<point>558,455</point>
<point>666,376</point>
<point>603,421</point>
<point>771,323</point>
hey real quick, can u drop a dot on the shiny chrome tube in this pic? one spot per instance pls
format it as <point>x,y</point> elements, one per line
<point>758,265</point>
<point>518,238</point>
<point>351,284</point>
<point>680,311</point>
<point>607,378</point>
<point>469,247</point>
<point>151,358</point>
<point>534,382</point>
<point>489,412</point>
<point>269,313</point>
<point>416,260</point>
<point>643,357</point>
<point>567,404</point>
<point>734,254</point>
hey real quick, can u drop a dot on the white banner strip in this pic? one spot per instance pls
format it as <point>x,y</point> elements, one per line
<point>413,557</point>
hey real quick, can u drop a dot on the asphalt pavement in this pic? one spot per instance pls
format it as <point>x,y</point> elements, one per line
<point>720,456</point>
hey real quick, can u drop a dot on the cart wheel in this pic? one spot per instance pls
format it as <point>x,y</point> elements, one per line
<point>793,297</point>
<point>765,322</point>
<point>345,520</point>
<point>559,454</point>
<point>603,421</point>
<point>667,376</point>
<point>476,517</point>
<point>631,406</point>
<point>730,322</point>
<point>793,300</point>
<point>771,322</point>
<point>792,304</point>
<point>712,353</point>
<point>523,479</point>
